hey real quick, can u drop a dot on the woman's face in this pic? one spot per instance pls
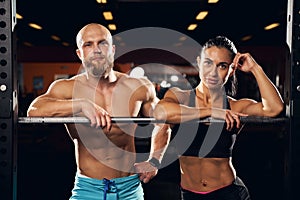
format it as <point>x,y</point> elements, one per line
<point>214,66</point>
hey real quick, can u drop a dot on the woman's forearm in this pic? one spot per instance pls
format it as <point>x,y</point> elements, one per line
<point>270,96</point>
<point>176,113</point>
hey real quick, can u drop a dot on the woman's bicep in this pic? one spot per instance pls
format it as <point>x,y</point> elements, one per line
<point>249,107</point>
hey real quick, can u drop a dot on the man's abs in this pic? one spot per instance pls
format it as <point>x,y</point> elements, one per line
<point>103,155</point>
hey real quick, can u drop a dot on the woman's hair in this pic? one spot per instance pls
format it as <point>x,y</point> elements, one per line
<point>224,42</point>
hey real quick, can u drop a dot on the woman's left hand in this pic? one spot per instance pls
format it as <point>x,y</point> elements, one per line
<point>244,62</point>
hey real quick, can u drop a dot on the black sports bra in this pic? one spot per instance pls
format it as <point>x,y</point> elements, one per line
<point>204,140</point>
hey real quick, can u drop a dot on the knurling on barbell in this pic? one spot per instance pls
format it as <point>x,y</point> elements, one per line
<point>147,120</point>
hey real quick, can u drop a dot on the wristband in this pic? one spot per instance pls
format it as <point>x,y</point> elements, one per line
<point>155,162</point>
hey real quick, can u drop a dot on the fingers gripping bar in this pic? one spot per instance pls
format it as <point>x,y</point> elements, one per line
<point>84,120</point>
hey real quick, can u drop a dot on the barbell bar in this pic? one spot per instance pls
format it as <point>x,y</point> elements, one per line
<point>147,120</point>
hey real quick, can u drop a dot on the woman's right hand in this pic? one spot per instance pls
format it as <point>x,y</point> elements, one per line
<point>231,118</point>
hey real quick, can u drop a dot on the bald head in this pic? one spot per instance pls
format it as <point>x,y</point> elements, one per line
<point>89,30</point>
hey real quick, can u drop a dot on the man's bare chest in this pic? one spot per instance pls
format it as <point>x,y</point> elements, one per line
<point>117,101</point>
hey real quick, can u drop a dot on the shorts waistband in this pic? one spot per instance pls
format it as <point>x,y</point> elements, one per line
<point>115,180</point>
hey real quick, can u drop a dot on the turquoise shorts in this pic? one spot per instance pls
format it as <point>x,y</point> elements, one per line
<point>125,188</point>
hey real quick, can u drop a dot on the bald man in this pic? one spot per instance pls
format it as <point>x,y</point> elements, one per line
<point>105,151</point>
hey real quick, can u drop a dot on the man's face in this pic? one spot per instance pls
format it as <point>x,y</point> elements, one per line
<point>96,51</point>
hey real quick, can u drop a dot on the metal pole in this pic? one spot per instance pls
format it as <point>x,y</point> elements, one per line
<point>8,102</point>
<point>293,101</point>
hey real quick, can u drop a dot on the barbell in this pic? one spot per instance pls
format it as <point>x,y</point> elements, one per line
<point>147,120</point>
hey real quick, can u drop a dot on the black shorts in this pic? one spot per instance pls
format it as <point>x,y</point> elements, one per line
<point>236,191</point>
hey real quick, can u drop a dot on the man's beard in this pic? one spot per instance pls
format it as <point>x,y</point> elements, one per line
<point>97,70</point>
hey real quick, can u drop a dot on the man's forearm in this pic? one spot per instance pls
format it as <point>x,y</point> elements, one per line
<point>159,142</point>
<point>54,107</point>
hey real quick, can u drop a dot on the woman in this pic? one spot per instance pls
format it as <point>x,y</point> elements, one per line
<point>206,167</point>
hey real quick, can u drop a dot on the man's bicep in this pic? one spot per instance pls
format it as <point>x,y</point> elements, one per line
<point>57,90</point>
<point>44,105</point>
<point>61,89</point>
<point>150,100</point>
<point>149,106</point>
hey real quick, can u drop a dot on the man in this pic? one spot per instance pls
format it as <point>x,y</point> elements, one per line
<point>105,151</point>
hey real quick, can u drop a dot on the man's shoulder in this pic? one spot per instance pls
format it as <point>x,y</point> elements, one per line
<point>67,82</point>
<point>124,78</point>
<point>178,90</point>
<point>139,85</point>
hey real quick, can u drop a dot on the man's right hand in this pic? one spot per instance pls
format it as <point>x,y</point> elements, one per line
<point>96,114</point>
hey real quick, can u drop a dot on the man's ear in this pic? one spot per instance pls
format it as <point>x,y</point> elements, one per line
<point>78,53</point>
<point>198,60</point>
<point>114,49</point>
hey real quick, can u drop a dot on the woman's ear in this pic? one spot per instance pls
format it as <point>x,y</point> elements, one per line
<point>231,70</point>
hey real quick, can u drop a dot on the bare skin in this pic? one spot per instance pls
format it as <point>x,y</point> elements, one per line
<point>103,149</point>
<point>215,64</point>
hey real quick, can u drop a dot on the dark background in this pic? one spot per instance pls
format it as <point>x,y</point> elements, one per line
<point>46,165</point>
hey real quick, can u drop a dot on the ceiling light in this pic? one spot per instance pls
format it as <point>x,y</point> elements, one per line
<point>28,44</point>
<point>192,27</point>
<point>107,15</point>
<point>245,38</point>
<point>117,38</point>
<point>165,84</point>
<point>35,26</point>
<point>213,1</point>
<point>201,15</point>
<point>54,37</point>
<point>19,16</point>
<point>137,72</point>
<point>112,27</point>
<point>101,1</point>
<point>183,38</point>
<point>271,26</point>
<point>174,78</point>
<point>178,44</point>
<point>65,44</point>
